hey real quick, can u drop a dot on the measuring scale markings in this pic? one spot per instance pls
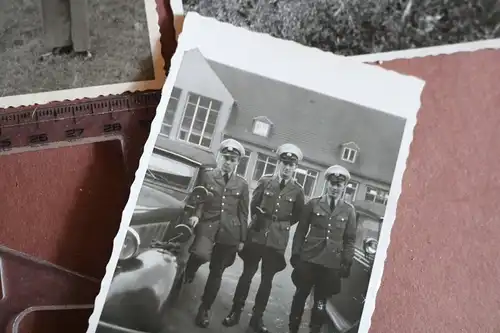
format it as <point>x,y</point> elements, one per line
<point>72,120</point>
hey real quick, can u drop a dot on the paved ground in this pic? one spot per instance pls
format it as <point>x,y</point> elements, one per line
<point>181,318</point>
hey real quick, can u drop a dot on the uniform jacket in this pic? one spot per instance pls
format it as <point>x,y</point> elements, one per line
<point>282,209</point>
<point>324,237</point>
<point>224,218</point>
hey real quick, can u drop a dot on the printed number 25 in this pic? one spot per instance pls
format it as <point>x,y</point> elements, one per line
<point>108,128</point>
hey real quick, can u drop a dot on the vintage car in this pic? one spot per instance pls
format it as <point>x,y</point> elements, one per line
<point>149,274</point>
<point>344,310</point>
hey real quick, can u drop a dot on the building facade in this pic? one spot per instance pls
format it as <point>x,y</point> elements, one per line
<point>212,101</point>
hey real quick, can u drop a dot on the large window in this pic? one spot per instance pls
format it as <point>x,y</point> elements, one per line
<point>350,191</point>
<point>243,165</point>
<point>168,120</point>
<point>377,195</point>
<point>265,165</point>
<point>306,178</point>
<point>200,117</point>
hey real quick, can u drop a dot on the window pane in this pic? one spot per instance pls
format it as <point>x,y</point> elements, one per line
<point>309,186</point>
<point>193,98</point>
<point>165,129</point>
<point>242,167</point>
<point>176,92</point>
<point>270,169</point>
<point>300,178</point>
<point>204,102</point>
<point>190,110</point>
<point>182,135</point>
<point>215,105</point>
<point>209,129</point>
<point>206,142</point>
<point>345,154</point>
<point>201,114</point>
<point>172,104</point>
<point>186,123</point>
<point>259,170</point>
<point>198,126</point>
<point>193,138</point>
<point>212,117</point>
<point>169,118</point>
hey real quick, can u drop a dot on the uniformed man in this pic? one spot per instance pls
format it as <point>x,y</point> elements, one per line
<point>221,224</point>
<point>66,25</point>
<point>322,249</point>
<point>276,205</point>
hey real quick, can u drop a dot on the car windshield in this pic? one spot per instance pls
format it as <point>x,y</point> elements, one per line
<point>169,171</point>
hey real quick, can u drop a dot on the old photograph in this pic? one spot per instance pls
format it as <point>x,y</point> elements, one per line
<point>360,27</point>
<point>58,45</point>
<point>264,200</point>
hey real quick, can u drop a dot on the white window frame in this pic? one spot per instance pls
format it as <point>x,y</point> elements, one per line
<point>305,171</point>
<point>378,192</point>
<point>349,151</point>
<point>202,132</point>
<point>164,122</point>
<point>356,189</point>
<point>266,163</point>
<point>265,126</point>
<point>248,153</point>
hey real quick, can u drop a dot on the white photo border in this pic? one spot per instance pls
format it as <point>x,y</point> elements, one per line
<point>212,37</point>
<point>153,24</point>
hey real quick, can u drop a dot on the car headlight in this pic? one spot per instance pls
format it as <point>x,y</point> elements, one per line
<point>130,247</point>
<point>370,246</point>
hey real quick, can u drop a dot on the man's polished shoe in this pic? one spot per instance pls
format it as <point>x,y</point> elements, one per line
<point>202,317</point>
<point>257,325</point>
<point>232,319</point>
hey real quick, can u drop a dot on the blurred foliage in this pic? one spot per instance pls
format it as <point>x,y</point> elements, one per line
<point>351,27</point>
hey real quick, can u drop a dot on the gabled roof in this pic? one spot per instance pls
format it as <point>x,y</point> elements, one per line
<point>317,123</point>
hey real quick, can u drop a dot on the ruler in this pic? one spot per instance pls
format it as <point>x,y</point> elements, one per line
<point>37,126</point>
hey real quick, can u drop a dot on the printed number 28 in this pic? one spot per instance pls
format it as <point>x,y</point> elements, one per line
<point>108,128</point>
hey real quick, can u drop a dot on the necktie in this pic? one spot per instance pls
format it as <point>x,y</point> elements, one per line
<point>332,204</point>
<point>282,184</point>
<point>226,177</point>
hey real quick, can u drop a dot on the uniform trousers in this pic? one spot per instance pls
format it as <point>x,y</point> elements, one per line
<point>272,263</point>
<point>326,282</point>
<point>66,23</point>
<point>223,256</point>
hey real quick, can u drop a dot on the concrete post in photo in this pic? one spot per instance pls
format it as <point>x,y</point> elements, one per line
<point>66,23</point>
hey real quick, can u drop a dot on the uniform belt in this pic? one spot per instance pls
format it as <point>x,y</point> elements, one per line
<point>275,218</point>
<point>211,219</point>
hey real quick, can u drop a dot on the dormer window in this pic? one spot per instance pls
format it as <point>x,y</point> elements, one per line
<point>261,126</point>
<point>349,152</point>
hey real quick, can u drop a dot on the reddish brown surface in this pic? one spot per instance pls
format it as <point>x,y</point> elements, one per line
<point>442,269</point>
<point>441,273</point>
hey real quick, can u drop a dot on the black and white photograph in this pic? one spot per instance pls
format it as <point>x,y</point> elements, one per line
<point>51,46</point>
<point>355,27</point>
<point>264,199</point>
